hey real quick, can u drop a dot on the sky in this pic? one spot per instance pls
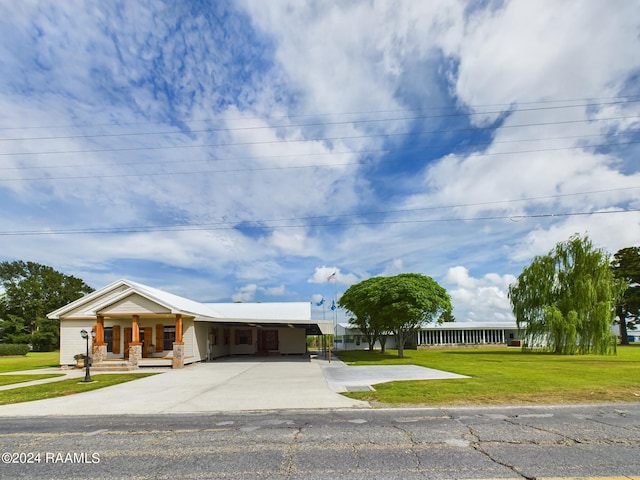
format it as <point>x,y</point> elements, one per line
<point>246,151</point>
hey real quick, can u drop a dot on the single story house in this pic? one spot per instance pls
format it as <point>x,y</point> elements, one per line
<point>136,325</point>
<point>348,337</point>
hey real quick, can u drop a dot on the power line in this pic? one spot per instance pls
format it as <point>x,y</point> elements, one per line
<point>324,154</point>
<point>298,167</point>
<point>316,139</point>
<point>308,225</point>
<point>595,100</point>
<point>302,125</point>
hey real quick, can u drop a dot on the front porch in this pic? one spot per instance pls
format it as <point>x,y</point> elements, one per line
<point>124,365</point>
<point>139,350</point>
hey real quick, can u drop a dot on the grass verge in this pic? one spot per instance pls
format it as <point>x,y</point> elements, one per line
<point>505,376</point>
<point>11,379</point>
<point>66,387</point>
<point>30,361</point>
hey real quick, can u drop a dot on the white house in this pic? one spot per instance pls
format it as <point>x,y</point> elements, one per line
<point>448,333</point>
<point>137,325</point>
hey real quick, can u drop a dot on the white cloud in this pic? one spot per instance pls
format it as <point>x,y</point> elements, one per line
<point>248,293</point>
<point>479,299</point>
<point>528,51</point>
<point>245,294</point>
<point>324,274</point>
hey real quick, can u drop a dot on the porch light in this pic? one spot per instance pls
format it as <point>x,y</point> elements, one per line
<point>84,334</point>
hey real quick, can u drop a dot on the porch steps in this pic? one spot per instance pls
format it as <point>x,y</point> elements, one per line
<point>155,362</point>
<point>119,365</point>
<point>112,366</point>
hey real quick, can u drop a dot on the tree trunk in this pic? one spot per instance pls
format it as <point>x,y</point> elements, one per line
<point>400,343</point>
<point>370,340</point>
<point>383,343</point>
<point>621,314</point>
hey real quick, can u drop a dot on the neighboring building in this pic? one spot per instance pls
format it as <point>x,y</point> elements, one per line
<point>137,325</point>
<point>447,333</point>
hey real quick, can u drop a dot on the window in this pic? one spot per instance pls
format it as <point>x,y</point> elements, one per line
<point>108,338</point>
<point>243,337</point>
<point>213,336</point>
<point>168,337</point>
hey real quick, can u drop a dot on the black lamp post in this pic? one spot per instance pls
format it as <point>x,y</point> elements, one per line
<point>85,335</point>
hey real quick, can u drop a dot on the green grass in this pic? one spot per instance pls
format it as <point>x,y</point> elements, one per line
<point>37,360</point>
<point>30,361</point>
<point>65,387</point>
<point>501,376</point>
<point>11,379</point>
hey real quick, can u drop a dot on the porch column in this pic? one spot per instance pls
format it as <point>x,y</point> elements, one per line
<point>178,345</point>
<point>135,347</point>
<point>99,346</point>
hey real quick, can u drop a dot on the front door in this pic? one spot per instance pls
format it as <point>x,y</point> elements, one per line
<point>146,341</point>
<point>269,340</point>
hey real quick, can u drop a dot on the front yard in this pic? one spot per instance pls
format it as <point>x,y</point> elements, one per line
<point>506,376</point>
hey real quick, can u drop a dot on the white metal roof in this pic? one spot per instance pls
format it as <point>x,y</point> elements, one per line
<point>456,326</point>
<point>264,311</point>
<point>276,312</point>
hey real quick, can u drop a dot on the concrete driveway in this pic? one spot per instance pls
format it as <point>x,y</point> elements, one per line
<point>229,384</point>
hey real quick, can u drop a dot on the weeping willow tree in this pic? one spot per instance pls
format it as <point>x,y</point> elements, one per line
<point>564,301</point>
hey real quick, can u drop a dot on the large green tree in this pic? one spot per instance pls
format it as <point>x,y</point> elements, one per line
<point>32,290</point>
<point>398,304</point>
<point>362,300</point>
<point>564,301</point>
<point>626,268</point>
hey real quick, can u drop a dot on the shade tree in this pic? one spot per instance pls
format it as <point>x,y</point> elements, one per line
<point>626,268</point>
<point>398,304</point>
<point>564,301</point>
<point>32,290</point>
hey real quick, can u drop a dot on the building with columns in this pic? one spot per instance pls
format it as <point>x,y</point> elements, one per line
<point>349,337</point>
<point>136,325</point>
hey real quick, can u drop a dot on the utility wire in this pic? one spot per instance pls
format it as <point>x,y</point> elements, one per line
<point>305,140</point>
<point>367,214</point>
<point>302,155</point>
<point>297,167</point>
<point>302,125</point>
<point>592,100</point>
<point>272,227</point>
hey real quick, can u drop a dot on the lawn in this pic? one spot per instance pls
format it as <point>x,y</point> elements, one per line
<point>65,387</point>
<point>38,360</point>
<point>30,361</point>
<point>11,379</point>
<point>504,375</point>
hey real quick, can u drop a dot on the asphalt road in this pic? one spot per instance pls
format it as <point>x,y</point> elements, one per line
<point>445,443</point>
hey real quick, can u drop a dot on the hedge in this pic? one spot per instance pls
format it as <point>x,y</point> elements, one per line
<point>13,349</point>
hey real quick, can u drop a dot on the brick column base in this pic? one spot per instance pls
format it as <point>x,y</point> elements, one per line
<point>178,355</point>
<point>135,353</point>
<point>99,353</point>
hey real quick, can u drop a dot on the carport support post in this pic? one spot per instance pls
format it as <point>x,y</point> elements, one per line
<point>135,347</point>
<point>178,345</point>
<point>99,346</point>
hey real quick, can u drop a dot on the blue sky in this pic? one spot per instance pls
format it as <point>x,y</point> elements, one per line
<point>247,150</point>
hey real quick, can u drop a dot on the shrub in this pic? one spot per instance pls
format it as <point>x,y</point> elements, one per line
<point>13,349</point>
